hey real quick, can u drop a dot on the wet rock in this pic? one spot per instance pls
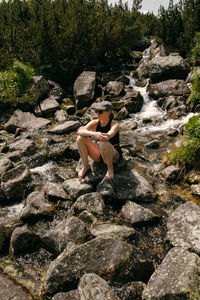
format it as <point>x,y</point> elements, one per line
<point>106,188</point>
<point>87,217</point>
<point>176,277</point>
<point>84,87</point>
<point>69,230</point>
<point>5,164</point>
<point>36,207</point>
<point>122,114</point>
<point>171,173</point>
<point>40,86</point>
<point>164,67</point>
<point>114,88</point>
<point>131,291</point>
<point>47,107</point>
<point>75,188</point>
<point>65,127</point>
<point>184,227</point>
<point>136,214</point>
<point>133,101</point>
<point>167,88</point>
<point>6,229</point>
<point>24,146</point>
<point>72,295</point>
<point>173,132</point>
<point>92,202</point>
<point>60,116</point>
<point>56,92</point>
<point>2,197</point>
<point>130,185</point>
<point>91,257</point>
<point>152,144</point>
<point>55,191</point>
<point>112,230</point>
<point>14,181</point>
<point>23,241</point>
<point>92,286</point>
<point>25,120</point>
<point>195,188</point>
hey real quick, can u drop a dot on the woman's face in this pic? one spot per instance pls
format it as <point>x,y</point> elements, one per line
<point>101,114</point>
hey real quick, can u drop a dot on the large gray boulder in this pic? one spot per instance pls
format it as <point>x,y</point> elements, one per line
<point>55,191</point>
<point>176,278</point>
<point>5,163</point>
<point>14,181</point>
<point>172,87</point>
<point>23,241</point>
<point>69,230</point>
<point>92,286</point>
<point>25,120</point>
<point>84,87</point>
<point>24,146</point>
<point>106,257</point>
<point>92,202</point>
<point>40,86</point>
<point>36,207</point>
<point>130,185</point>
<point>164,67</point>
<point>184,227</point>
<point>114,88</point>
<point>136,214</point>
<point>65,127</point>
<point>47,107</point>
<point>75,188</point>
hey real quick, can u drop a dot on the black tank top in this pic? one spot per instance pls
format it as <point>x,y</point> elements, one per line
<point>115,139</point>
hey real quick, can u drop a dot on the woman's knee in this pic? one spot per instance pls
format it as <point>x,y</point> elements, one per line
<point>81,139</point>
<point>103,145</point>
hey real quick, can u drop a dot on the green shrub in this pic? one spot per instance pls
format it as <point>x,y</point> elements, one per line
<point>195,94</point>
<point>14,84</point>
<point>189,152</point>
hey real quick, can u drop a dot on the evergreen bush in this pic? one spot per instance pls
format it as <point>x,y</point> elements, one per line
<point>188,154</point>
<point>14,84</point>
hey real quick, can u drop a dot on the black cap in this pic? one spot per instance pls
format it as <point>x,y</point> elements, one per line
<point>104,105</point>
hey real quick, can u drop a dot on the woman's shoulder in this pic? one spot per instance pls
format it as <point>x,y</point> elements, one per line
<point>93,123</point>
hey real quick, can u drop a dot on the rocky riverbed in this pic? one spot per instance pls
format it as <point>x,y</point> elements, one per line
<point>136,239</point>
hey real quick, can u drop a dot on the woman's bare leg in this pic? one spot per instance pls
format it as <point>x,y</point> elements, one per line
<point>108,153</point>
<point>86,148</point>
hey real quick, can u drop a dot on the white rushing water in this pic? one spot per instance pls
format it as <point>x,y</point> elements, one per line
<point>150,110</point>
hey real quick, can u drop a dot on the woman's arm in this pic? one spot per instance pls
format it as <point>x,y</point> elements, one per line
<point>113,130</point>
<point>88,130</point>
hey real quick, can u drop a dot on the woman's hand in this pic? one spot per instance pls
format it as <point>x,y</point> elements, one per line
<point>100,136</point>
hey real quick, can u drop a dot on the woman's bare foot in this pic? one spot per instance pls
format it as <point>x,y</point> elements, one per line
<point>109,174</point>
<point>83,171</point>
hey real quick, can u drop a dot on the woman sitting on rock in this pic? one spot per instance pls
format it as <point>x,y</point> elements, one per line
<point>105,130</point>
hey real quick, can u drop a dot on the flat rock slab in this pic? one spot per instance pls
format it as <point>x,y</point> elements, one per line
<point>65,127</point>
<point>184,227</point>
<point>92,286</point>
<point>112,230</point>
<point>9,290</point>
<point>69,230</point>
<point>176,278</point>
<point>75,188</point>
<point>92,202</point>
<point>136,214</point>
<point>55,191</point>
<point>106,257</point>
<point>130,185</point>
<point>25,120</point>
<point>14,181</point>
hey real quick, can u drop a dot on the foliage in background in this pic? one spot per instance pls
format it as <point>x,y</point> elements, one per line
<point>195,94</point>
<point>60,38</point>
<point>189,152</point>
<point>14,83</point>
<point>195,48</point>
